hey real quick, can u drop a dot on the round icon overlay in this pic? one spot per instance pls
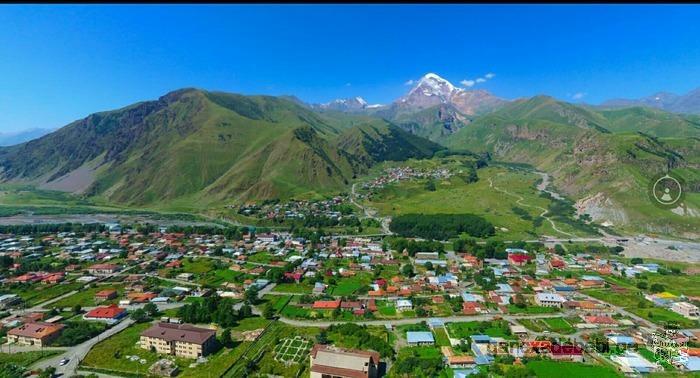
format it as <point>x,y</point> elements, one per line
<point>666,190</point>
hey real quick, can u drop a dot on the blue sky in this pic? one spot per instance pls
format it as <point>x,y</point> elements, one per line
<point>61,63</point>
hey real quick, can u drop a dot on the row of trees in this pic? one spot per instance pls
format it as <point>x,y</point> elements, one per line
<point>214,309</point>
<point>414,246</point>
<point>441,226</point>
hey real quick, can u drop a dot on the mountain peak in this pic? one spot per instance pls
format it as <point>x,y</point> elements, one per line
<point>433,85</point>
<point>345,104</point>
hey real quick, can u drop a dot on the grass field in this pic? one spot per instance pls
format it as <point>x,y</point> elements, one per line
<point>552,369</point>
<point>513,309</point>
<point>441,338</point>
<point>349,285</point>
<point>462,330</point>
<point>86,297</point>
<point>110,354</point>
<point>293,288</point>
<point>24,359</point>
<point>456,196</point>
<point>39,293</point>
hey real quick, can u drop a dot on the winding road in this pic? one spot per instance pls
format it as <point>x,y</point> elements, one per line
<point>370,213</point>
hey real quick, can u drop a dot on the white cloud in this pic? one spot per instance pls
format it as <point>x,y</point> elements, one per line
<point>348,84</point>
<point>578,95</point>
<point>410,82</point>
<point>471,82</point>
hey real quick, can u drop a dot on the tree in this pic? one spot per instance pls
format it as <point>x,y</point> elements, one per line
<point>77,309</point>
<point>322,337</point>
<point>48,372</point>
<point>139,315</point>
<point>657,288</point>
<point>429,265</point>
<point>251,295</point>
<point>226,338</point>
<point>642,285</point>
<point>245,312</point>
<point>459,245</point>
<point>430,186</point>
<point>151,309</point>
<point>637,260</point>
<point>407,270</point>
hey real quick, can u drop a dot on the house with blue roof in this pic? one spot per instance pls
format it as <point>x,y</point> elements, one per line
<point>420,338</point>
<point>469,297</point>
<point>463,373</point>
<point>504,288</point>
<point>621,340</point>
<point>435,323</point>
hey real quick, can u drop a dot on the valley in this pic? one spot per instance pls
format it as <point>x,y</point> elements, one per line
<point>199,152</point>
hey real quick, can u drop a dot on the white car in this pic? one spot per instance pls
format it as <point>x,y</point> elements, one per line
<point>63,361</point>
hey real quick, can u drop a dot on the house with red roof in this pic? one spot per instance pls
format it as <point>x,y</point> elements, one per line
<point>111,314</point>
<point>519,259</point>
<point>105,295</point>
<point>326,305</point>
<point>600,320</point>
<point>567,353</point>
<point>103,269</point>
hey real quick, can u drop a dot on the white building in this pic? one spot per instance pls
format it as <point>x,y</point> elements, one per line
<point>686,309</point>
<point>403,305</point>
<point>549,300</point>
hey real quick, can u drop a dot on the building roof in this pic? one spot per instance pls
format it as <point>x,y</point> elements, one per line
<point>326,304</point>
<point>179,332</point>
<point>549,297</point>
<point>419,337</point>
<point>104,266</point>
<point>559,350</point>
<point>621,339</point>
<point>109,312</point>
<point>105,293</point>
<point>36,330</point>
<point>342,362</point>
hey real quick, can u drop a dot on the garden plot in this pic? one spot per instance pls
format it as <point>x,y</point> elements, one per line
<point>292,350</point>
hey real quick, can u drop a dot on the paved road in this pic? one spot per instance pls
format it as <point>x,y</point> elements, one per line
<point>638,319</point>
<point>395,322</point>
<point>78,352</point>
<point>42,306</point>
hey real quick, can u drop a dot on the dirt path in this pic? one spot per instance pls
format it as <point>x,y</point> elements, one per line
<point>370,213</point>
<point>521,203</point>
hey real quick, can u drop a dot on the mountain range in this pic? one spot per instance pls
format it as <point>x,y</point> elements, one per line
<point>211,148</point>
<point>12,138</point>
<point>688,103</point>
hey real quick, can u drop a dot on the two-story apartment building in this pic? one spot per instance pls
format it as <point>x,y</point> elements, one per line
<point>182,340</point>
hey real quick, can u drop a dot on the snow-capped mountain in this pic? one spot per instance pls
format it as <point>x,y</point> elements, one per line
<point>432,90</point>
<point>347,104</point>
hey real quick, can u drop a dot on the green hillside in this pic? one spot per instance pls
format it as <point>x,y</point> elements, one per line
<point>598,157</point>
<point>208,148</point>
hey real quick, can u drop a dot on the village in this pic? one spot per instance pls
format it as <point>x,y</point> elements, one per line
<point>121,299</point>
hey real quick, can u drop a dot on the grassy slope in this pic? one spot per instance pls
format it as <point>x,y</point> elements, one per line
<point>572,145</point>
<point>455,196</point>
<point>193,149</point>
